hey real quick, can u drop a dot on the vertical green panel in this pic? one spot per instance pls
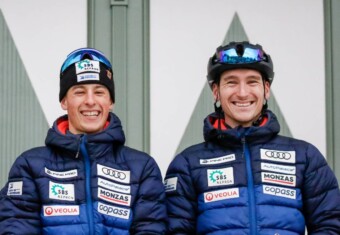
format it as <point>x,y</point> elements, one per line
<point>22,122</point>
<point>120,28</point>
<point>332,55</point>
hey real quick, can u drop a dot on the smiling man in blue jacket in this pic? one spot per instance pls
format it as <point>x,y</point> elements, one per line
<point>246,179</point>
<point>84,181</point>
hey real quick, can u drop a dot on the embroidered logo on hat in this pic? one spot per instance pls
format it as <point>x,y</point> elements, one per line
<point>88,77</point>
<point>87,66</point>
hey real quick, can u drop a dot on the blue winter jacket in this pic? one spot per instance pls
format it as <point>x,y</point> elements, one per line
<point>83,184</point>
<point>251,181</point>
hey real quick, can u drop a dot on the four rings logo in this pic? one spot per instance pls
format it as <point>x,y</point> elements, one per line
<point>278,156</point>
<point>113,174</point>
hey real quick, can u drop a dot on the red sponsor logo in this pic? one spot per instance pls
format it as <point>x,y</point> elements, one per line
<point>61,210</point>
<point>221,194</point>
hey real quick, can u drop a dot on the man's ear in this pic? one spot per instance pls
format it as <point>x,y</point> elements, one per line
<point>63,104</point>
<point>267,90</point>
<point>215,92</point>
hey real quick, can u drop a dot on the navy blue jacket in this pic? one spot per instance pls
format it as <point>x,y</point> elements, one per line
<point>251,181</point>
<point>83,184</point>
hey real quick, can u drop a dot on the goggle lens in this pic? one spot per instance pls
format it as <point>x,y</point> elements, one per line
<point>230,56</point>
<point>77,56</point>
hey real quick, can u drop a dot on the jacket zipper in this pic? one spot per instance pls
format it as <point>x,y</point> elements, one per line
<point>250,186</point>
<point>89,203</point>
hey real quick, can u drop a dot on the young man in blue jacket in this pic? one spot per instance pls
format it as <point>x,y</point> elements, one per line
<point>245,178</point>
<point>84,181</point>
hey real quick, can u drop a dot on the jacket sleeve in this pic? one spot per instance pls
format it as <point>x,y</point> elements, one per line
<point>150,210</point>
<point>321,196</point>
<point>19,202</point>
<point>181,198</point>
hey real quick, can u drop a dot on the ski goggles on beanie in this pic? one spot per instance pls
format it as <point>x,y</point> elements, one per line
<point>86,66</point>
<point>83,53</point>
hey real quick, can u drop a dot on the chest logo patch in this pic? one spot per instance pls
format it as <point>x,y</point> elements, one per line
<point>218,160</point>
<point>218,177</point>
<point>113,211</point>
<point>278,155</point>
<point>61,210</point>
<point>221,195</point>
<point>61,191</point>
<point>113,186</point>
<point>114,197</point>
<point>278,168</point>
<point>281,179</point>
<point>113,174</point>
<point>279,191</point>
<point>61,174</point>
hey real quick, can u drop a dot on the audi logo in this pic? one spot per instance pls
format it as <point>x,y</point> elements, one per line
<point>113,173</point>
<point>278,155</point>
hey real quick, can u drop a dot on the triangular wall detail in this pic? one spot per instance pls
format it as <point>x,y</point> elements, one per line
<point>22,121</point>
<point>194,131</point>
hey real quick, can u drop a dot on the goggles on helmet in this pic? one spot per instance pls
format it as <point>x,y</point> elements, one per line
<point>239,55</point>
<point>79,55</point>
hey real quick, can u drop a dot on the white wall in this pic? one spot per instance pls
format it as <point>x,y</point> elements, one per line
<point>45,32</point>
<point>184,34</point>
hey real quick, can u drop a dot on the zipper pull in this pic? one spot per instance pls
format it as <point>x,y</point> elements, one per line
<point>243,141</point>
<point>78,151</point>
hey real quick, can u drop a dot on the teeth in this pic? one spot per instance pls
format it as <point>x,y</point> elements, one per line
<point>92,113</point>
<point>242,104</point>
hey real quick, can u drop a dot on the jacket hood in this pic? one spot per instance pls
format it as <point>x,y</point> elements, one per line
<point>97,144</point>
<point>216,130</point>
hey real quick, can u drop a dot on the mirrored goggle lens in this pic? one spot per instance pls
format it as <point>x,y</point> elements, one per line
<point>77,56</point>
<point>230,56</point>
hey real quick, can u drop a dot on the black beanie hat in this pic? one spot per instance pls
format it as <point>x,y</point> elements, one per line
<point>86,72</point>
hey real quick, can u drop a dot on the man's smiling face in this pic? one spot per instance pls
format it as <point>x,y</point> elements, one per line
<point>242,94</point>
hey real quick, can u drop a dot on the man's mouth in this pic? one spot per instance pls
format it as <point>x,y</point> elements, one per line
<point>242,104</point>
<point>90,113</point>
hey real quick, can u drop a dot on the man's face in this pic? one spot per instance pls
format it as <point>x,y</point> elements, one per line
<point>88,107</point>
<point>241,93</point>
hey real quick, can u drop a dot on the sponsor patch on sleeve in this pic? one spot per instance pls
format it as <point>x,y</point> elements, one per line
<point>278,155</point>
<point>218,160</point>
<point>14,188</point>
<point>113,211</point>
<point>170,184</point>
<point>61,210</point>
